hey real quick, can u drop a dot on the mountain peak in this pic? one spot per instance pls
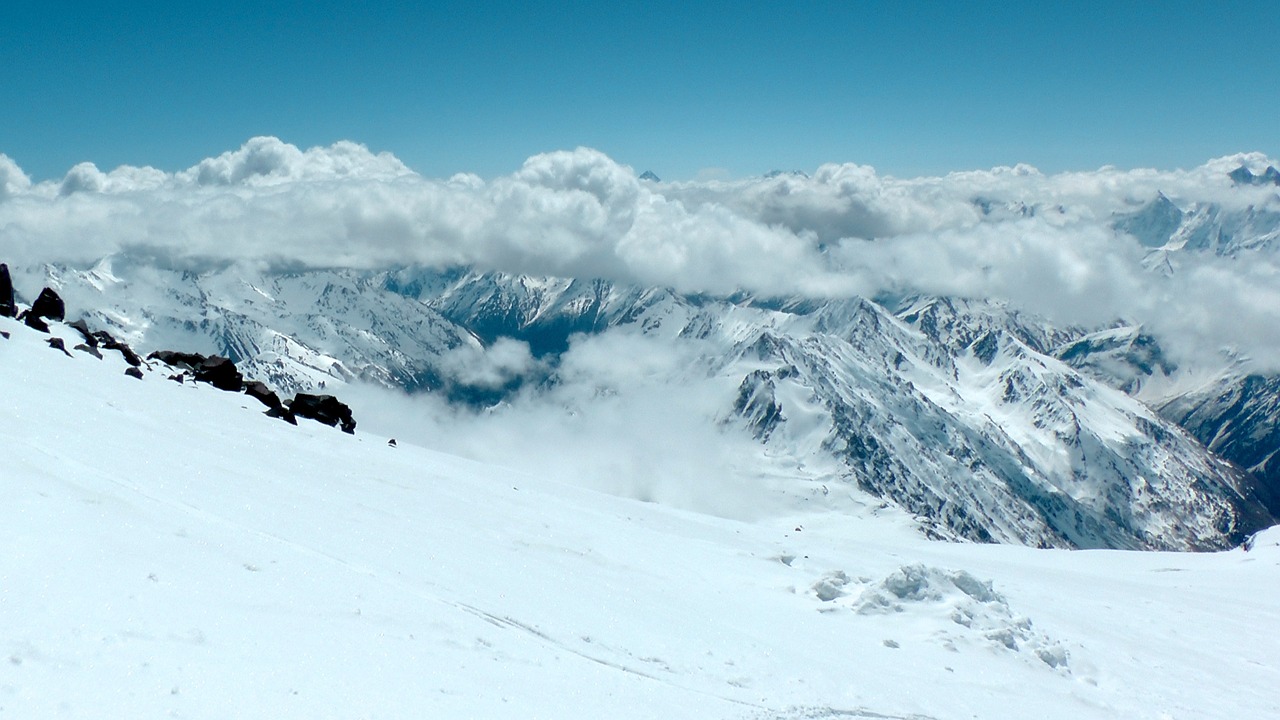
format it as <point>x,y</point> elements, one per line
<point>1244,176</point>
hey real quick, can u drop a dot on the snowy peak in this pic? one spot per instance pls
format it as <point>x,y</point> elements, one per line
<point>1244,176</point>
<point>1154,224</point>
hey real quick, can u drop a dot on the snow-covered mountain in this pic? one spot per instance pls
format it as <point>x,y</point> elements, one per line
<point>968,415</point>
<point>172,552</point>
<point>1204,226</point>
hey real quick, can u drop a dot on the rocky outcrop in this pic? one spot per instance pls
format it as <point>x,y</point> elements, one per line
<point>324,408</point>
<point>90,349</point>
<point>82,327</point>
<point>49,305</point>
<point>7,306</point>
<point>263,394</point>
<point>107,342</point>
<point>216,370</point>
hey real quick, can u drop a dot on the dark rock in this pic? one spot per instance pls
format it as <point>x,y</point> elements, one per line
<point>284,414</point>
<point>57,344</point>
<point>221,373</point>
<point>216,370</point>
<point>83,328</point>
<point>180,378</point>
<point>4,335</point>
<point>263,394</point>
<point>392,442</point>
<point>324,408</point>
<point>82,347</point>
<point>7,306</point>
<point>105,340</point>
<point>49,305</point>
<point>190,361</point>
<point>34,322</point>
<point>133,372</point>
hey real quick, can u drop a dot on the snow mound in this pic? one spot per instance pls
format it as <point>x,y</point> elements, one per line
<point>1269,538</point>
<point>968,610</point>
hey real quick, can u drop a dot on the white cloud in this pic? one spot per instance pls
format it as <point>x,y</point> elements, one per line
<point>503,362</point>
<point>12,179</point>
<point>625,418</point>
<point>1042,241</point>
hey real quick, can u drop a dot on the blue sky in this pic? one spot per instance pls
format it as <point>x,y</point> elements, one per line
<point>683,89</point>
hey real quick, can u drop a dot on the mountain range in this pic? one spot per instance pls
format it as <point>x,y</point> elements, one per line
<point>984,422</point>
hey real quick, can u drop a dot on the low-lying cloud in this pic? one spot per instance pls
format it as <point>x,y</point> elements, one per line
<point>1043,242</point>
<point>628,415</point>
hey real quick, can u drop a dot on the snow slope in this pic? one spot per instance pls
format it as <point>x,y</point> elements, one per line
<point>172,552</point>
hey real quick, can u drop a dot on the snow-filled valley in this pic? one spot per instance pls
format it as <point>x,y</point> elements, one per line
<point>172,552</point>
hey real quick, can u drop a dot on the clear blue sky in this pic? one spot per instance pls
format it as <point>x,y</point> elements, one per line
<point>911,88</point>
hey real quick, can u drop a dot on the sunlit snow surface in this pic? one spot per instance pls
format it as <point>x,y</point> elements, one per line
<point>171,552</point>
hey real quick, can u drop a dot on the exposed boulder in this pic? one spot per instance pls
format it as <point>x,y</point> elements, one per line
<point>4,335</point>
<point>34,321</point>
<point>7,306</point>
<point>263,394</point>
<point>221,373</point>
<point>82,327</point>
<point>105,340</point>
<point>85,348</point>
<point>173,358</point>
<point>57,344</point>
<point>133,372</point>
<point>216,370</point>
<point>284,414</point>
<point>324,408</point>
<point>49,305</point>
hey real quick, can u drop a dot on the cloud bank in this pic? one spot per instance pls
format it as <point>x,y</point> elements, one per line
<point>1043,242</point>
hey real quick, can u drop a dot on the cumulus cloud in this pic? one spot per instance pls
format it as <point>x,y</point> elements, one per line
<point>1044,242</point>
<point>12,179</point>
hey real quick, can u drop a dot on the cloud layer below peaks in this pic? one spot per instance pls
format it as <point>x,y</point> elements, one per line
<point>1044,242</point>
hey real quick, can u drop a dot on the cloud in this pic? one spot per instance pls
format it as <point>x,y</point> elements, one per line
<point>505,361</point>
<point>1043,242</point>
<point>12,179</point>
<point>624,416</point>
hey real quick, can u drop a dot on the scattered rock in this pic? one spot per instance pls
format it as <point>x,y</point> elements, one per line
<point>284,414</point>
<point>105,340</point>
<point>216,370</point>
<point>221,373</point>
<point>133,372</point>
<point>92,350</point>
<point>49,305</point>
<point>57,344</point>
<point>180,378</point>
<point>33,321</point>
<point>324,408</point>
<point>83,328</point>
<point>263,394</point>
<point>392,442</point>
<point>4,335</point>
<point>7,306</point>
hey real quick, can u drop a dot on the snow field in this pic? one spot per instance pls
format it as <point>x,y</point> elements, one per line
<point>171,552</point>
